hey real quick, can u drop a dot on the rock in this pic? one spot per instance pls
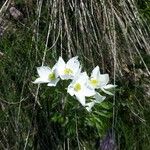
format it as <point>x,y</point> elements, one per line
<point>15,13</point>
<point>1,30</point>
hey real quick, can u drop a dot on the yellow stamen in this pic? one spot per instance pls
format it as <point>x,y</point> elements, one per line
<point>77,87</point>
<point>94,82</point>
<point>52,76</point>
<point>68,71</point>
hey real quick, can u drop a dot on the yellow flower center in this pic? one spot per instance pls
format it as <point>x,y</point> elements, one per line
<point>77,87</point>
<point>68,71</point>
<point>52,76</point>
<point>94,82</point>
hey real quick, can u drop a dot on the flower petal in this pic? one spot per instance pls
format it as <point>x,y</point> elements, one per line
<point>53,82</point>
<point>54,69</point>
<point>43,71</point>
<point>107,92</point>
<point>89,92</point>
<point>73,61</point>
<point>61,62</point>
<point>70,90</point>
<point>89,106</point>
<point>99,98</point>
<point>60,66</point>
<point>104,79</point>
<point>95,72</point>
<point>41,80</point>
<point>82,77</point>
<point>109,86</point>
<point>65,77</point>
<point>73,64</point>
<point>80,98</point>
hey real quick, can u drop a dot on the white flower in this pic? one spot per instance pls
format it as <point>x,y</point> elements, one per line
<point>47,75</point>
<point>79,88</point>
<point>68,70</point>
<point>89,106</point>
<point>100,81</point>
<point>97,99</point>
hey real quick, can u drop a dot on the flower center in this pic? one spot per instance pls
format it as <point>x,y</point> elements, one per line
<point>52,76</point>
<point>77,87</point>
<point>68,71</point>
<point>94,82</point>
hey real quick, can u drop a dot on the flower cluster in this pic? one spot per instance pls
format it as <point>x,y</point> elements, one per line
<point>82,86</point>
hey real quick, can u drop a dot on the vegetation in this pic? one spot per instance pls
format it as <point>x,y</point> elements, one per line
<point>111,34</point>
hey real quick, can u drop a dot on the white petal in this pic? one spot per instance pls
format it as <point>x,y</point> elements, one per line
<point>78,71</point>
<point>60,66</point>
<point>53,82</point>
<point>61,62</point>
<point>72,61</point>
<point>54,69</point>
<point>82,78</point>
<point>70,90</point>
<point>80,98</point>
<point>107,92</point>
<point>95,72</point>
<point>41,80</point>
<point>89,92</point>
<point>104,79</point>
<point>73,64</point>
<point>76,74</point>
<point>89,106</point>
<point>99,98</point>
<point>43,71</point>
<point>64,77</point>
<point>109,86</point>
